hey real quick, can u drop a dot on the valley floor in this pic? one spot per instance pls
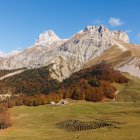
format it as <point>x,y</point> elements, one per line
<point>39,123</point>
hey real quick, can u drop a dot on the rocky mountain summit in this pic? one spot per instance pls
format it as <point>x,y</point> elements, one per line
<point>65,56</point>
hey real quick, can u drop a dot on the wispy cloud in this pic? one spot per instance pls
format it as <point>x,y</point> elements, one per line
<point>3,54</point>
<point>115,22</point>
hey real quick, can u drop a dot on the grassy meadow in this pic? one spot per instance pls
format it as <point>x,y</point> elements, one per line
<point>39,123</point>
<point>129,92</point>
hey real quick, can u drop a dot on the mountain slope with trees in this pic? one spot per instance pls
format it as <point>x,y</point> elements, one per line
<point>94,80</point>
<point>35,87</point>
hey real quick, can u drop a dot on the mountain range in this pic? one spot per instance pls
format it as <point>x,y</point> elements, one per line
<point>84,49</point>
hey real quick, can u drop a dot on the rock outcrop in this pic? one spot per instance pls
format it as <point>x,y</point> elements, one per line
<point>66,55</point>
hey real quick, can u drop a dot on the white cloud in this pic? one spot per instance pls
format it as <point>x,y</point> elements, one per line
<point>115,22</point>
<point>14,52</point>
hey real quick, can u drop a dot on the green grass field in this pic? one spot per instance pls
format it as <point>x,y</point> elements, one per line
<point>129,92</point>
<point>39,123</point>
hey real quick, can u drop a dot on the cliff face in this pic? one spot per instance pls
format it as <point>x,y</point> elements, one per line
<point>82,47</point>
<point>67,55</point>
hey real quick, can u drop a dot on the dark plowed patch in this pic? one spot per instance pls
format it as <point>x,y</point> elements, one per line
<point>76,125</point>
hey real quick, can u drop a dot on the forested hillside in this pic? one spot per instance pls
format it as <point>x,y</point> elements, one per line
<point>30,82</point>
<point>93,84</point>
<point>36,87</point>
<point>4,72</point>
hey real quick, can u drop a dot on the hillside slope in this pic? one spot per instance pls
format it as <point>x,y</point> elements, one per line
<point>66,55</point>
<point>29,82</point>
<point>129,92</point>
<point>92,84</point>
<point>10,74</point>
<point>127,60</point>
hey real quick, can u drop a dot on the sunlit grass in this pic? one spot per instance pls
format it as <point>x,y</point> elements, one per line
<point>39,123</point>
<point>129,92</point>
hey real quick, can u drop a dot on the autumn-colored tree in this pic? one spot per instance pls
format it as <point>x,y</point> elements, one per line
<point>5,121</point>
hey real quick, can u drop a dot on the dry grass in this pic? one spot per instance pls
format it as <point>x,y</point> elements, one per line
<point>39,123</point>
<point>114,55</point>
<point>129,92</point>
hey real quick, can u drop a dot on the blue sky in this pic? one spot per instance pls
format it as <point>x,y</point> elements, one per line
<point>21,21</point>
